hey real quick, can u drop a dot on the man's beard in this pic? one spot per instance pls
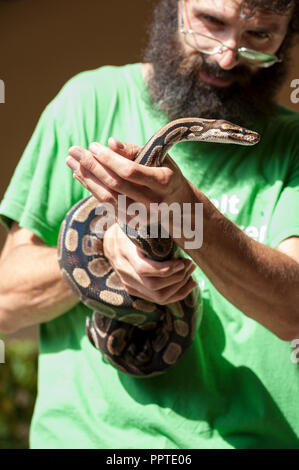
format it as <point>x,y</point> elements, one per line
<point>176,89</point>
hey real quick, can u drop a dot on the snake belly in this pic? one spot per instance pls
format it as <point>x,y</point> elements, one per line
<point>136,336</point>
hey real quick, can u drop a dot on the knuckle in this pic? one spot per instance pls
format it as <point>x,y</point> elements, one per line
<point>80,176</point>
<point>134,149</point>
<point>160,298</point>
<point>183,277</point>
<point>113,183</point>
<point>150,284</point>
<point>140,270</point>
<point>107,198</point>
<point>166,177</point>
<point>130,289</point>
<point>129,171</point>
<point>118,266</point>
<point>143,271</point>
<point>88,162</point>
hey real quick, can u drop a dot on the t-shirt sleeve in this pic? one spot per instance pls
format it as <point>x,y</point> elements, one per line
<point>42,188</point>
<point>285,220</point>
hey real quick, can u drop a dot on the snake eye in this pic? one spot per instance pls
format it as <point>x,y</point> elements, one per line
<point>243,131</point>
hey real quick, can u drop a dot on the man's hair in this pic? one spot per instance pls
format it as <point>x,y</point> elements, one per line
<point>174,83</point>
<point>281,7</point>
<point>168,9</point>
<point>276,6</point>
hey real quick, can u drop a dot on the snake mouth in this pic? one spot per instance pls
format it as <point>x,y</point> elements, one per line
<point>245,137</point>
<point>226,132</point>
<point>235,137</point>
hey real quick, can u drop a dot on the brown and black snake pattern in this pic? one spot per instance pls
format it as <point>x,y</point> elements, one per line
<point>138,337</point>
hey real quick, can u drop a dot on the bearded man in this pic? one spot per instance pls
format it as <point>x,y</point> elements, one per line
<point>237,386</point>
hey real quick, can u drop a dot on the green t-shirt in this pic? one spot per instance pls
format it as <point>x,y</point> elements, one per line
<point>237,386</point>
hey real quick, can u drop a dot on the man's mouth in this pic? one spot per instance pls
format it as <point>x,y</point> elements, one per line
<point>214,80</point>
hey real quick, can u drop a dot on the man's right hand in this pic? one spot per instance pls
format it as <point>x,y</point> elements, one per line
<point>161,282</point>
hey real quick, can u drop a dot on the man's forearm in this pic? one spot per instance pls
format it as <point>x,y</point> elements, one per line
<point>260,281</point>
<point>32,289</point>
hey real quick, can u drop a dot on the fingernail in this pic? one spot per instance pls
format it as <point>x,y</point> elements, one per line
<point>73,164</point>
<point>76,153</point>
<point>120,144</point>
<point>94,147</point>
<point>193,267</point>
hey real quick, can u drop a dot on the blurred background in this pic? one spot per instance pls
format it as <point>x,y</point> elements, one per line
<point>43,43</point>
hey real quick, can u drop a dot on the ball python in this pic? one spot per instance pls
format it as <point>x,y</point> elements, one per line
<point>136,336</point>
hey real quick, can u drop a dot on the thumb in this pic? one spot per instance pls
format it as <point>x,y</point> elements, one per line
<point>124,149</point>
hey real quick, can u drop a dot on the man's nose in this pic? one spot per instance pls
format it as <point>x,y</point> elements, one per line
<point>228,58</point>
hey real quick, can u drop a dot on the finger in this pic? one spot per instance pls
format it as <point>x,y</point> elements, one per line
<point>164,296</point>
<point>140,295</point>
<point>124,149</point>
<point>140,262</point>
<point>148,286</point>
<point>109,178</point>
<point>147,267</point>
<point>131,151</point>
<point>90,182</point>
<point>90,172</point>
<point>148,176</point>
<point>156,284</point>
<point>153,290</point>
<point>79,179</point>
<point>183,292</point>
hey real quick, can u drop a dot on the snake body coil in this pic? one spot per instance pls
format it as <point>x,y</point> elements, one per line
<point>136,336</point>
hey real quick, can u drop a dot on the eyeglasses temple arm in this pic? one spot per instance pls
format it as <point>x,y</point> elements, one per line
<point>181,21</point>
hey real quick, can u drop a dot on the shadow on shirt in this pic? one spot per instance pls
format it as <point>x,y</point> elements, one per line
<point>216,396</point>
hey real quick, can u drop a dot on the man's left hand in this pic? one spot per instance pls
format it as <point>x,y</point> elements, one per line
<point>107,172</point>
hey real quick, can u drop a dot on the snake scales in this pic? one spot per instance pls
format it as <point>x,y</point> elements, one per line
<point>138,337</point>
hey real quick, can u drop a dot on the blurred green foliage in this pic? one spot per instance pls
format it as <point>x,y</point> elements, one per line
<point>18,384</point>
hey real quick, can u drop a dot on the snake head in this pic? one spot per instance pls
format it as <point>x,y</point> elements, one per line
<point>233,134</point>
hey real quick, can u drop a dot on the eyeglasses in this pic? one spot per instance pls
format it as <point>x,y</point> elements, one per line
<point>211,46</point>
